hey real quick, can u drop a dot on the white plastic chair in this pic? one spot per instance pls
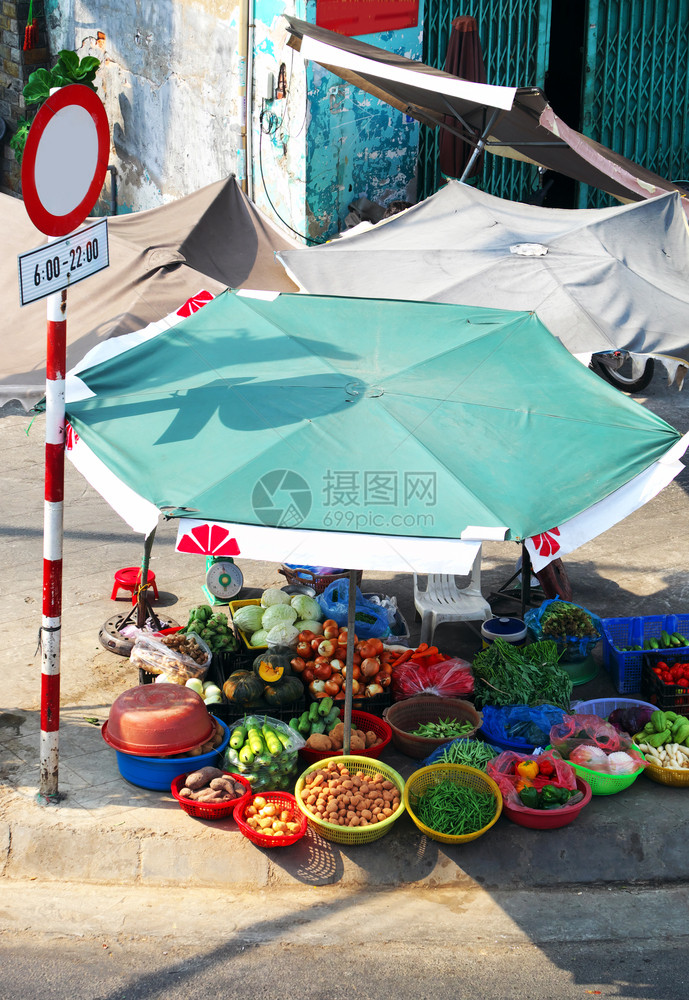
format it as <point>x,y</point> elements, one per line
<point>444,601</point>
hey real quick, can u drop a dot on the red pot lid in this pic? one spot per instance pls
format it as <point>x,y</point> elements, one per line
<point>157,720</point>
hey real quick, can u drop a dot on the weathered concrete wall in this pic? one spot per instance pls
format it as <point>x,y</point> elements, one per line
<point>169,81</point>
<point>328,143</point>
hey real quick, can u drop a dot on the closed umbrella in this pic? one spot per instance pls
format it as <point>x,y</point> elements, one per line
<point>464,58</point>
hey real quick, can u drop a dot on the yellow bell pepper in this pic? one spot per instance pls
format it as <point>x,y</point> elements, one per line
<point>527,769</point>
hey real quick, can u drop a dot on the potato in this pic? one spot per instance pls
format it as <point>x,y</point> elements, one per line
<point>318,741</point>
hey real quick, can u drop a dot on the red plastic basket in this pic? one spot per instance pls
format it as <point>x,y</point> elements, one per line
<point>549,819</point>
<point>210,810</point>
<point>283,799</point>
<point>363,721</point>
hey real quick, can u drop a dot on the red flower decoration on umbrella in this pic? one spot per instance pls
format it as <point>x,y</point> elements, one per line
<point>210,540</point>
<point>71,436</point>
<point>545,543</point>
<point>195,303</point>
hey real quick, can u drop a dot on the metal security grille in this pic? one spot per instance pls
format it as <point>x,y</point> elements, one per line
<point>515,38</point>
<point>636,85</point>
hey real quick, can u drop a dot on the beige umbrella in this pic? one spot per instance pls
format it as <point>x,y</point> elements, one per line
<point>212,239</point>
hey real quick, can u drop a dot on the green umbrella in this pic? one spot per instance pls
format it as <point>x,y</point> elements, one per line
<point>358,432</point>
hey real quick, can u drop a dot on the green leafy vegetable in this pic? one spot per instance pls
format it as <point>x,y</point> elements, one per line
<point>530,675</point>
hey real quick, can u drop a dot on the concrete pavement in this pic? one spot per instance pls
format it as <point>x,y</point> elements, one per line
<point>108,832</point>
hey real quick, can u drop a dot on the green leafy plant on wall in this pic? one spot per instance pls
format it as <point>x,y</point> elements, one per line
<point>68,69</point>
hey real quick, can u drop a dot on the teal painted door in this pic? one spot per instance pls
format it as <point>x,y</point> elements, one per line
<point>636,85</point>
<point>515,36</point>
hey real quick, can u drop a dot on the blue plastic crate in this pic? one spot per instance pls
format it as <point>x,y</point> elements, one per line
<point>625,669</point>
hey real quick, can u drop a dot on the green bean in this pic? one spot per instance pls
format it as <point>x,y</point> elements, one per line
<point>454,809</point>
<point>443,728</point>
<point>472,753</point>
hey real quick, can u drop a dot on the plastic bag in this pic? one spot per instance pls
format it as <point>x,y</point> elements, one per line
<point>577,730</point>
<point>522,722</point>
<point>370,620</point>
<point>503,770</point>
<point>266,771</point>
<point>572,645</point>
<point>153,655</point>
<point>589,741</point>
<point>453,678</point>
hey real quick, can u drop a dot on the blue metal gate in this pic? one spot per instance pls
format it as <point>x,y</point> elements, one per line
<point>636,85</point>
<point>515,37</point>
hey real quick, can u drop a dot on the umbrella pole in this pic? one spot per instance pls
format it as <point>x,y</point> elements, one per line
<point>479,146</point>
<point>141,610</point>
<point>526,579</point>
<point>351,608</point>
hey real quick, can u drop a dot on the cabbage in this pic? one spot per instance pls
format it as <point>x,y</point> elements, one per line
<point>249,618</point>
<point>259,638</point>
<point>306,607</point>
<point>283,634</point>
<point>278,614</point>
<point>273,595</point>
<point>308,625</point>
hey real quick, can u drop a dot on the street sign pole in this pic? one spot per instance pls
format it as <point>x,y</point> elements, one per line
<point>63,168</point>
<point>53,512</point>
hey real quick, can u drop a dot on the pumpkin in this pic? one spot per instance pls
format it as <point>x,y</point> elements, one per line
<point>243,688</point>
<point>287,693</point>
<point>273,665</point>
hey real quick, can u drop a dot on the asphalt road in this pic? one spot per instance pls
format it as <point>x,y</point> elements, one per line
<point>98,970</point>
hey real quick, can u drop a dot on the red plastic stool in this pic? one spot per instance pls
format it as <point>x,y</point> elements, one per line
<point>129,578</point>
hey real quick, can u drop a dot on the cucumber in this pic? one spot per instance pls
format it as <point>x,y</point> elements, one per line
<point>255,741</point>
<point>665,640</point>
<point>678,640</point>
<point>238,737</point>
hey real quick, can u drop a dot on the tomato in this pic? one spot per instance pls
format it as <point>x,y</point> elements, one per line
<point>656,670</point>
<point>666,677</point>
<point>678,670</point>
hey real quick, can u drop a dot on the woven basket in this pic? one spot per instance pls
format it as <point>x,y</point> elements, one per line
<point>405,716</point>
<point>667,775</point>
<point>363,721</point>
<point>210,810</point>
<point>319,581</point>
<point>466,777</point>
<point>284,801</point>
<point>346,834</point>
<point>607,784</point>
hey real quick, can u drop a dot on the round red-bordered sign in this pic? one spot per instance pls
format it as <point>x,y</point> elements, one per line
<point>65,159</point>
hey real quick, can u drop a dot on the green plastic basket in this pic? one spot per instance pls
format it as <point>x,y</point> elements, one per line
<point>607,784</point>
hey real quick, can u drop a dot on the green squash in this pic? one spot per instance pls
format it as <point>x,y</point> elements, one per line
<point>272,666</point>
<point>286,693</point>
<point>243,688</point>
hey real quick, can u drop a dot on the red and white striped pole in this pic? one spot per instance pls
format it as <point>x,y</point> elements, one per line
<point>52,541</point>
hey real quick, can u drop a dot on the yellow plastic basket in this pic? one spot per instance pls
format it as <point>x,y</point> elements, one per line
<point>602,783</point>
<point>346,834</point>
<point>467,777</point>
<point>677,778</point>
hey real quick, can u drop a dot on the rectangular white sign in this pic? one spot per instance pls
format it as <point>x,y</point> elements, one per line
<point>57,265</point>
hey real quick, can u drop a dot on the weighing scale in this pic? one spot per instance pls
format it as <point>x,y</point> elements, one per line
<point>224,579</point>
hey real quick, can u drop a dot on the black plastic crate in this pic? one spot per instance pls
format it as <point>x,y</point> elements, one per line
<point>666,696</point>
<point>221,668</point>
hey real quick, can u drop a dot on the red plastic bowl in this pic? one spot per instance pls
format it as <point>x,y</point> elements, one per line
<point>286,801</point>
<point>549,819</point>
<point>210,810</point>
<point>363,721</point>
<point>155,720</point>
